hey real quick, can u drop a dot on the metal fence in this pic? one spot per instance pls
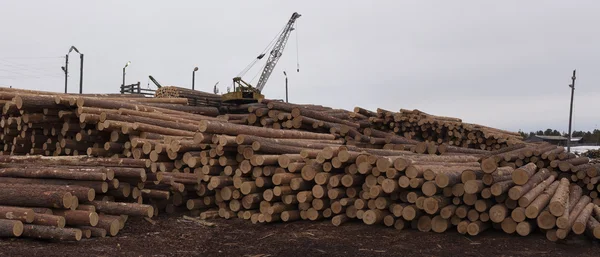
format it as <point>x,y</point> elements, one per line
<point>136,89</point>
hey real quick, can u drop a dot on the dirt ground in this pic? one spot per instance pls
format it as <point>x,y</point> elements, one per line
<point>172,236</point>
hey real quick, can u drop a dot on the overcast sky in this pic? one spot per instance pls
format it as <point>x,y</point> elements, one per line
<point>504,64</point>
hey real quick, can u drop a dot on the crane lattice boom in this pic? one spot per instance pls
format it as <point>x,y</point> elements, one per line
<point>276,52</point>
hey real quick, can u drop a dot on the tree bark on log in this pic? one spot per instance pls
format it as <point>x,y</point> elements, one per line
<point>35,198</point>
<point>528,197</point>
<point>517,191</point>
<point>72,161</point>
<point>53,233</point>
<point>98,186</point>
<point>10,228</point>
<point>95,232</point>
<point>234,130</point>
<point>56,173</point>
<point>581,222</point>
<point>533,210</point>
<point>16,213</point>
<point>78,217</point>
<point>131,209</point>
<point>558,202</point>
<point>521,175</point>
<point>49,220</point>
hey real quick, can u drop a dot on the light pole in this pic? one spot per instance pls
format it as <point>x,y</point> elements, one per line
<point>572,86</point>
<point>194,77</point>
<point>81,74</point>
<point>286,86</point>
<point>66,69</point>
<point>127,64</point>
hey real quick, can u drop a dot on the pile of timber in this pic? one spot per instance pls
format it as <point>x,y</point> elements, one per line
<point>353,127</point>
<point>421,126</point>
<point>313,118</point>
<point>67,198</point>
<point>578,170</point>
<point>400,190</point>
<point>593,154</point>
<point>149,159</point>
<point>42,123</point>
<point>194,97</point>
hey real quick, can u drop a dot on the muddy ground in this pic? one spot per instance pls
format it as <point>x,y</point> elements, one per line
<point>179,237</point>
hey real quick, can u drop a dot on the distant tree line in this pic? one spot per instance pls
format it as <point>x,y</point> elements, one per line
<point>588,136</point>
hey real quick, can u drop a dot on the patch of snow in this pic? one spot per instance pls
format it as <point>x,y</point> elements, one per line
<point>583,149</point>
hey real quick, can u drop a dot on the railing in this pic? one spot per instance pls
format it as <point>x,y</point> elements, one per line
<point>136,89</point>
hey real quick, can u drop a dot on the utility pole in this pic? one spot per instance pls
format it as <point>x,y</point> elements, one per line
<point>81,74</point>
<point>66,70</point>
<point>572,86</point>
<point>127,64</point>
<point>194,77</point>
<point>286,87</point>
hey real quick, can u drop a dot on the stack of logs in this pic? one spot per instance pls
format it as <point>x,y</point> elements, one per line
<point>140,157</point>
<point>194,97</point>
<point>419,125</point>
<point>592,153</point>
<point>65,198</point>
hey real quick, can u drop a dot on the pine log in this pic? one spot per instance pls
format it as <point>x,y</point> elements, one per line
<point>98,186</point>
<point>49,220</point>
<point>35,198</point>
<point>579,207</point>
<point>475,228</point>
<point>558,201</point>
<point>581,221</point>
<point>234,130</point>
<point>521,175</point>
<point>593,227</point>
<point>58,173</point>
<point>10,228</point>
<point>533,210</point>
<point>517,191</point>
<point>72,161</point>
<point>16,213</point>
<point>532,194</point>
<point>53,233</point>
<point>131,209</point>
<point>525,228</point>
<point>79,217</point>
<point>498,213</point>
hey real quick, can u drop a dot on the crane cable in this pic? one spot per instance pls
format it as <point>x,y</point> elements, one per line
<point>297,55</point>
<point>262,54</point>
<point>259,72</point>
<point>297,47</point>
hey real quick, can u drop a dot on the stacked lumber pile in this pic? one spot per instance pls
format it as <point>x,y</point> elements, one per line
<point>315,118</point>
<point>402,190</point>
<point>140,157</point>
<point>419,125</point>
<point>67,198</point>
<point>353,127</point>
<point>550,193</point>
<point>100,126</point>
<point>593,154</point>
<point>194,97</point>
<point>578,170</point>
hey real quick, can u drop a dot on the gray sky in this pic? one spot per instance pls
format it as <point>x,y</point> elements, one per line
<point>505,64</point>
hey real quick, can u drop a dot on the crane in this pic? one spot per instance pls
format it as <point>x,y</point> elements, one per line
<point>243,92</point>
<point>154,81</point>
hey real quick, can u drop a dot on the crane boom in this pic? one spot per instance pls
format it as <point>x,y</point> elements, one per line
<point>154,81</point>
<point>276,52</point>
<point>243,92</point>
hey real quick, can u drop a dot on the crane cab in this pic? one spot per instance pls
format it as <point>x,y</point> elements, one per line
<point>243,93</point>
